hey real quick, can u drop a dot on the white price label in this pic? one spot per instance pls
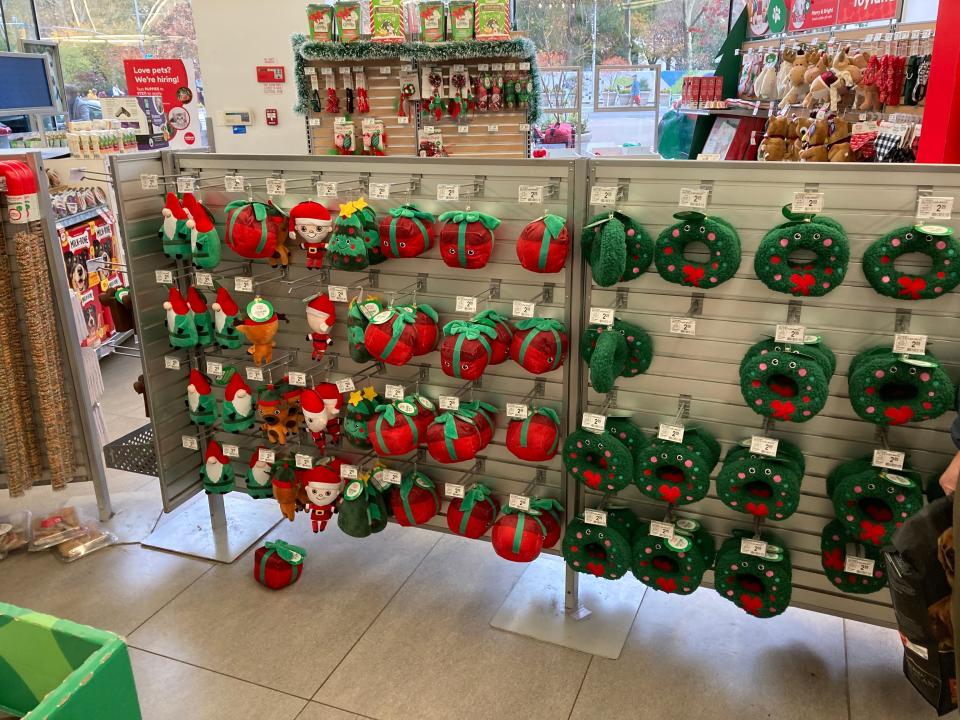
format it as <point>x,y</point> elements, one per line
<point>164,277</point>
<point>595,517</point>
<point>186,184</point>
<point>524,127</point>
<point>694,198</point>
<point>243,284</point>
<point>935,208</point>
<point>517,411</point>
<point>233,183</point>
<point>370,309</point>
<point>276,186</point>
<point>519,502</point>
<point>304,462</point>
<point>463,129</point>
<point>297,379</point>
<point>150,182</point>
<point>673,433</point>
<point>267,456</point>
<point>448,192</point>
<point>429,129</point>
<point>203,279</point>
<point>403,120</point>
<point>314,122</point>
<point>859,566</point>
<point>380,191</point>
<point>531,194</point>
<point>709,157</point>
<point>904,344</point>
<point>453,490</point>
<point>344,70</point>
<point>190,442</point>
<point>393,392</point>
<point>346,385</point>
<point>603,195</point>
<point>760,445</point>
<point>231,451</point>
<point>889,459</point>
<point>493,128</point>
<point>683,326</point>
<point>391,477</point>
<point>466,304</point>
<point>593,422</point>
<point>601,316</point>
<point>483,67</point>
<point>171,363</point>
<point>524,66</point>
<point>523,309</point>
<point>385,70</point>
<point>449,402</point>
<point>663,530</point>
<point>754,548</point>
<point>807,203</point>
<point>255,373</point>
<point>791,334</point>
<point>509,66</point>
<point>350,472</point>
<point>496,66</point>
<point>327,189</point>
<point>337,293</point>
<point>214,368</point>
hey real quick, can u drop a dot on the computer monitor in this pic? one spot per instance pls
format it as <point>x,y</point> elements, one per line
<point>26,84</point>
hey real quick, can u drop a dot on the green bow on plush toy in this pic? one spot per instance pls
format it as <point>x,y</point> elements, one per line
<point>390,413</point>
<point>464,216</point>
<point>477,494</point>
<point>287,552</point>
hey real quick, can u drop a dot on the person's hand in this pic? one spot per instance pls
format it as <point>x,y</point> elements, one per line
<point>948,481</point>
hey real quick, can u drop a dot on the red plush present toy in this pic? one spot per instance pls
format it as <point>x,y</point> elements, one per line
<point>501,343</point>
<point>257,230</point>
<point>550,513</point>
<point>473,514</point>
<point>539,345</point>
<point>485,416</point>
<point>466,349</point>
<point>278,564</point>
<point>406,232</point>
<point>391,336</point>
<point>535,438</point>
<point>518,535</point>
<point>466,238</point>
<point>428,331</point>
<point>543,245</point>
<point>415,501</point>
<point>397,428</point>
<point>454,437</point>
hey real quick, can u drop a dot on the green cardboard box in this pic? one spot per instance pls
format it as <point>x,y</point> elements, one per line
<point>348,21</point>
<point>52,669</point>
<point>460,26</point>
<point>387,21</point>
<point>320,22</point>
<point>492,20</point>
<point>433,26</point>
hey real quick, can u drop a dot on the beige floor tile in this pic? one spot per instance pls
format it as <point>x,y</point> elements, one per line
<point>432,653</point>
<point>115,589</point>
<point>135,513</point>
<point>119,425</point>
<point>878,688</point>
<point>293,638</point>
<point>701,658</point>
<point>171,690</point>
<point>316,711</point>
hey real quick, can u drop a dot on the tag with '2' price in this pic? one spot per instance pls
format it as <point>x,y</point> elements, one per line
<point>807,203</point>
<point>793,334</point>
<point>453,490</point>
<point>214,368</point>
<point>662,529</point>
<point>889,459</point>
<point>203,279</point>
<point>186,184</point>
<point>519,502</point>
<point>391,477</point>
<point>754,548</point>
<point>346,385</point>
<point>601,316</point>
<point>448,192</point>
<point>683,326</point>
<point>190,442</point>
<point>603,195</point>
<point>380,191</point>
<point>466,304</point>
<point>531,194</point>
<point>164,277</point>
<point>298,379</point>
<point>671,433</point>
<point>150,182</point>
<point>327,189</point>
<point>233,183</point>
<point>171,363</point>
<point>760,445</point>
<point>349,472</point>
<point>255,373</point>
<point>859,566</point>
<point>276,186</point>
<point>393,392</point>
<point>906,344</point>
<point>694,198</point>
<point>523,309</point>
<point>593,422</point>
<point>935,208</point>
<point>243,284</point>
<point>231,451</point>
<point>517,411</point>
<point>449,402</point>
<point>304,462</point>
<point>337,293</point>
<point>595,517</point>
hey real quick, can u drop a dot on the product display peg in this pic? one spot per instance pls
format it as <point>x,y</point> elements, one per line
<point>171,363</point>
<point>762,445</point>
<point>149,182</point>
<point>449,402</point>
<point>303,461</point>
<point>523,309</point>
<point>186,184</point>
<point>664,530</point>
<point>519,502</point>
<point>889,459</point>
<point>671,433</point>
<point>337,293</point>
<point>695,198</point>
<point>233,183</point>
<point>601,316</point>
<point>791,334</point>
<point>190,442</point>
<point>595,517</point>
<point>517,411</point>
<point>753,547</point>
<point>594,422</point>
<point>934,208</point>
<point>910,344</point>
<point>231,450</point>
<point>453,490</point>
<point>683,326</point>
<point>349,472</point>
<point>807,203</point>
<point>243,283</point>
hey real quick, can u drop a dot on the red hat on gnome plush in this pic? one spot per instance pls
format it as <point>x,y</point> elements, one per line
<point>175,303</point>
<point>173,208</point>
<point>214,451</point>
<point>199,218</point>
<point>224,303</point>
<point>309,212</point>
<point>195,300</point>
<point>235,387</point>
<point>198,383</point>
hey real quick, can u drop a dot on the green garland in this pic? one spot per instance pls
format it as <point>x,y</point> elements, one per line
<point>305,50</point>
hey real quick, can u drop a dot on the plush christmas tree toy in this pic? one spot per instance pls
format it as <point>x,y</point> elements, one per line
<point>873,504</point>
<point>259,476</point>
<point>518,535</point>
<point>822,236</point>
<point>204,238</point>
<point>347,248</point>
<point>761,586</point>
<point>217,472</point>
<point>454,437</point>
<point>321,317</point>
<point>762,486</point>
<point>551,519</point>
<point>539,345</point>
<point>935,242</point>
<point>391,336</point>
<point>174,233</point>
<point>181,328</point>
<point>361,406</point>
<point>597,550</point>
<point>620,350</point>
<point>833,558</point>
<point>473,514</point>
<point>310,227</point>
<point>466,238</point>
<point>466,349</point>
<point>406,232</point>
<point>723,245</point>
<point>889,389</point>
<point>256,230</point>
<point>500,345</point>
<point>598,460</point>
<point>287,488</point>
<point>322,485</point>
<point>789,386</point>
<point>225,316</point>
<point>415,502</point>
<point>237,413</point>
<point>394,429</point>
<point>544,244</point>
<point>673,565</point>
<point>201,404</point>
<point>371,235</point>
<point>259,329</point>
<point>358,318</point>
<point>675,473</point>
<point>201,316</point>
<point>536,437</point>
<point>617,248</point>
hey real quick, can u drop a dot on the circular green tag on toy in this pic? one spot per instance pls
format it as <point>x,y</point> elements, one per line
<point>381,317</point>
<point>919,362</point>
<point>688,525</point>
<point>259,310</point>
<point>353,490</point>
<point>679,543</point>
<point>425,402</point>
<point>423,482</point>
<point>936,230</point>
<point>897,479</point>
<point>406,408</point>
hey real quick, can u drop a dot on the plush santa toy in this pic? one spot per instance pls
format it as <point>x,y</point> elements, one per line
<point>258,476</point>
<point>313,407</point>
<point>217,472</point>
<point>321,317</point>
<point>322,485</point>
<point>332,404</point>
<point>201,403</point>
<point>311,225</point>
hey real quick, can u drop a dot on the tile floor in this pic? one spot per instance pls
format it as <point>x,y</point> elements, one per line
<point>397,626</point>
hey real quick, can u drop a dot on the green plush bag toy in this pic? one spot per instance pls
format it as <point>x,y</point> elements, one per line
<point>822,236</point>
<point>620,350</point>
<point>616,247</point>
<point>721,240</point>
<point>363,510</point>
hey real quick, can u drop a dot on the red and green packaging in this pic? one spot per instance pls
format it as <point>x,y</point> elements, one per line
<point>492,20</point>
<point>433,26</point>
<point>387,23</point>
<point>320,22</point>
<point>278,564</point>
<point>348,21</point>
<point>460,26</point>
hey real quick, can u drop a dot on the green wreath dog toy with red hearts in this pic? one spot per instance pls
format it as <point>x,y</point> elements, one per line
<point>723,245</point>
<point>675,473</point>
<point>598,550</point>
<point>624,430</point>
<point>501,343</point>
<point>620,350</point>
<point>673,565</point>
<point>760,586</point>
<point>598,460</point>
<point>833,558</point>
<point>536,437</point>
<point>935,242</point>
<point>391,336</point>
<point>812,345</point>
<point>873,504</point>
<point>822,236</point>
<point>466,349</point>
<point>617,248</point>
<point>788,385</point>
<point>762,486</point>
<point>539,345</point>
<point>466,238</point>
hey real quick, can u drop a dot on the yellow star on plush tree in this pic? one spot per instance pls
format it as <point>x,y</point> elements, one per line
<point>348,209</point>
<point>355,398</point>
<point>369,393</point>
<point>360,204</point>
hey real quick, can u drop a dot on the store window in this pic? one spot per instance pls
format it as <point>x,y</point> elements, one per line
<point>20,22</point>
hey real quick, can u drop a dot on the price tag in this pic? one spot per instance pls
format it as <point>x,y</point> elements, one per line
<point>327,189</point>
<point>595,517</point>
<point>935,208</point>
<point>233,183</point>
<point>403,120</point>
<point>710,157</point>
<point>255,373</point>
<point>186,184</point>
<point>904,344</point>
<point>429,129</point>
<point>276,186</point>
<point>601,316</point>
<point>380,191</point>
<point>171,363</point>
<point>314,122</point>
<point>760,445</point>
<point>662,529</point>
<point>466,304</point>
<point>791,334</point>
<point>214,368</point>
<point>349,472</point>
<point>337,293</point>
<point>243,284</point>
<point>509,66</point>
<point>393,392</point>
<point>190,442</point>
<point>449,402</point>
<point>463,129</point>
<point>164,277</point>
<point>267,456</point>
<point>344,70</point>
<point>593,422</point>
<point>150,182</point>
<point>889,459</point>
<point>483,67</point>
<point>496,66</point>
<point>517,411</point>
<point>523,309</point>
<point>304,462</point>
<point>524,66</point>
<point>683,326</point>
<point>603,195</point>
<point>519,502</point>
<point>493,128</point>
<point>448,192</point>
<point>231,451</point>
<point>694,198</point>
<point>859,566</point>
<point>453,490</point>
<point>391,477</point>
<point>807,202</point>
<point>755,548</point>
<point>524,127</point>
<point>531,194</point>
<point>385,70</point>
<point>346,385</point>
<point>203,279</point>
<point>673,433</point>
<point>326,71</point>
<point>297,378</point>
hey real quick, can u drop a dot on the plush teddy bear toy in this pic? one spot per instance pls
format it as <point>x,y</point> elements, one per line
<point>773,147</point>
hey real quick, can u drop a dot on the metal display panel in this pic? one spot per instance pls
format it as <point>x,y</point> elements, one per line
<point>868,202</point>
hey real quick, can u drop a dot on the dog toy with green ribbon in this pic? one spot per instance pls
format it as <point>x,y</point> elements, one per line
<point>501,343</point>
<point>544,244</point>
<point>396,429</point>
<point>391,336</point>
<point>415,501</point>
<point>518,535</point>
<point>466,238</point>
<point>473,514</point>
<point>406,232</point>
<point>536,437</point>
<point>455,436</point>
<point>539,345</point>
<point>466,349</point>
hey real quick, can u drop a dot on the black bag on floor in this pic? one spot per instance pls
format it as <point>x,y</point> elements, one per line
<point>920,568</point>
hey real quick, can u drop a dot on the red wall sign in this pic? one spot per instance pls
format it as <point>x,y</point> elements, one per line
<point>807,14</point>
<point>271,74</point>
<point>854,11</point>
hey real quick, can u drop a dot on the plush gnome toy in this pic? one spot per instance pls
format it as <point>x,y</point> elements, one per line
<point>181,328</point>
<point>238,411</point>
<point>321,317</point>
<point>201,404</point>
<point>217,472</point>
<point>258,476</point>
<point>311,226</point>
<point>225,315</point>
<point>201,316</point>
<point>322,485</point>
<point>174,233</point>
<point>204,238</point>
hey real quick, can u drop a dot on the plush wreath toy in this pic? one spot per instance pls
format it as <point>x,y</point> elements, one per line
<point>812,345</point>
<point>822,236</point>
<point>600,551</point>
<point>833,558</point>
<point>937,243</point>
<point>889,389</point>
<point>620,350</point>
<point>391,336</point>
<point>473,514</point>
<point>762,486</point>
<point>672,565</point>
<point>539,345</point>
<point>544,244</point>
<point>500,345</point>
<point>873,504</point>
<point>416,501</point>
<point>624,430</point>
<point>789,385</point>
<point>359,313</point>
<point>407,232</point>
<point>466,349</point>
<point>617,248</point>
<point>536,437</point>
<point>676,473</point>
<point>466,238</point>
<point>598,460</point>
<point>760,586</point>
<point>717,234</point>
<point>518,535</point>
